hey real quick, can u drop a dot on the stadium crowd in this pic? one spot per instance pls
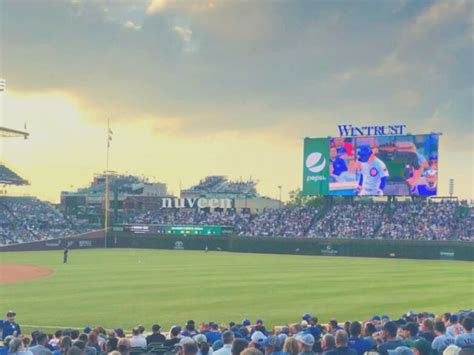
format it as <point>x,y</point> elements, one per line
<point>411,334</point>
<point>446,220</point>
<point>440,221</point>
<point>353,220</point>
<point>27,219</point>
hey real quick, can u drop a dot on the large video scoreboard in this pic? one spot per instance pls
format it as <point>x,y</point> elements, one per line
<point>400,165</point>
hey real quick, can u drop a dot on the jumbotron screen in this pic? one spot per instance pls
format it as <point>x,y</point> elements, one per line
<point>371,166</point>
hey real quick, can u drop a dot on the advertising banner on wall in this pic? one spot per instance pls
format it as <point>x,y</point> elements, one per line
<point>316,166</point>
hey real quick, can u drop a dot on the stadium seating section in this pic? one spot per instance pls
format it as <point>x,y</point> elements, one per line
<point>8,176</point>
<point>412,334</point>
<point>28,219</point>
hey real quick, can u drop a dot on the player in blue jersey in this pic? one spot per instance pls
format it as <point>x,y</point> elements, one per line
<point>9,326</point>
<point>430,186</point>
<point>374,173</point>
<point>338,165</point>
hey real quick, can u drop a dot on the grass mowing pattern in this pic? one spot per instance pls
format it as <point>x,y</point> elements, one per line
<point>126,287</point>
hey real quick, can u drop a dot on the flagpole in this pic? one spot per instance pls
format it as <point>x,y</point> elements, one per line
<point>106,219</point>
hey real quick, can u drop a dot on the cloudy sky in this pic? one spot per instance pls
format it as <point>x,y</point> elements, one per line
<point>227,87</point>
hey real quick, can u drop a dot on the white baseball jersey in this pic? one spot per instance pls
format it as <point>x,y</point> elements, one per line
<point>372,173</point>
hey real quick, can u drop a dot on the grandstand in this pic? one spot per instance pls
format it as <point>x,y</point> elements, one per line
<point>442,220</point>
<point>9,177</point>
<point>127,192</point>
<point>221,187</point>
<point>423,334</point>
<point>26,219</point>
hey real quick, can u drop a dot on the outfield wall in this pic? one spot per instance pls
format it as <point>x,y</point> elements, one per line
<point>88,240</point>
<point>407,249</point>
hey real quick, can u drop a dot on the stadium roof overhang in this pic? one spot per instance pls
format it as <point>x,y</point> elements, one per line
<point>13,182</point>
<point>12,133</point>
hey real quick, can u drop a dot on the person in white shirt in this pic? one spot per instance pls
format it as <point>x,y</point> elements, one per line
<point>373,171</point>
<point>227,339</point>
<point>137,340</point>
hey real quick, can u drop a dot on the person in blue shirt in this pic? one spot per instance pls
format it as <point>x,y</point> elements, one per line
<point>338,165</point>
<point>333,326</point>
<point>213,334</point>
<point>9,326</point>
<point>313,328</point>
<point>357,343</point>
<point>430,186</point>
<point>190,329</point>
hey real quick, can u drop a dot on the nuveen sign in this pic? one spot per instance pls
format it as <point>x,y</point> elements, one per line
<point>196,202</point>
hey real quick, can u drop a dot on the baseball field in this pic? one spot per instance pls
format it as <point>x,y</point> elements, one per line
<point>126,287</point>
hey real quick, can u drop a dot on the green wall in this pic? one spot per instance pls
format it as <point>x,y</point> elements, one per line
<point>409,249</point>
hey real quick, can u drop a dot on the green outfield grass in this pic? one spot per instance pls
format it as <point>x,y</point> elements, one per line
<point>126,287</point>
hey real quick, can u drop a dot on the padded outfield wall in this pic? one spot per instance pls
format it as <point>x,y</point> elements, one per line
<point>408,249</point>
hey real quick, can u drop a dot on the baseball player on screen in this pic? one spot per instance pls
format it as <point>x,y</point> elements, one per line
<point>374,173</point>
<point>430,186</point>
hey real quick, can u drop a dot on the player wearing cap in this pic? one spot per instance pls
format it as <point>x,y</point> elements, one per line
<point>429,188</point>
<point>9,326</point>
<point>374,173</point>
<point>338,165</point>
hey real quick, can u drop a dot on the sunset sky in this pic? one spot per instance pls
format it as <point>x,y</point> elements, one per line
<point>194,88</point>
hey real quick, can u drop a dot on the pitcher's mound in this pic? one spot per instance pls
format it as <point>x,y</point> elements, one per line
<point>11,273</point>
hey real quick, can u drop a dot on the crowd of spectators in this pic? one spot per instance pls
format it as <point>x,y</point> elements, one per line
<point>285,222</point>
<point>411,334</point>
<point>24,219</point>
<point>28,219</point>
<point>446,220</point>
<point>221,185</point>
<point>349,220</point>
<point>427,221</point>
